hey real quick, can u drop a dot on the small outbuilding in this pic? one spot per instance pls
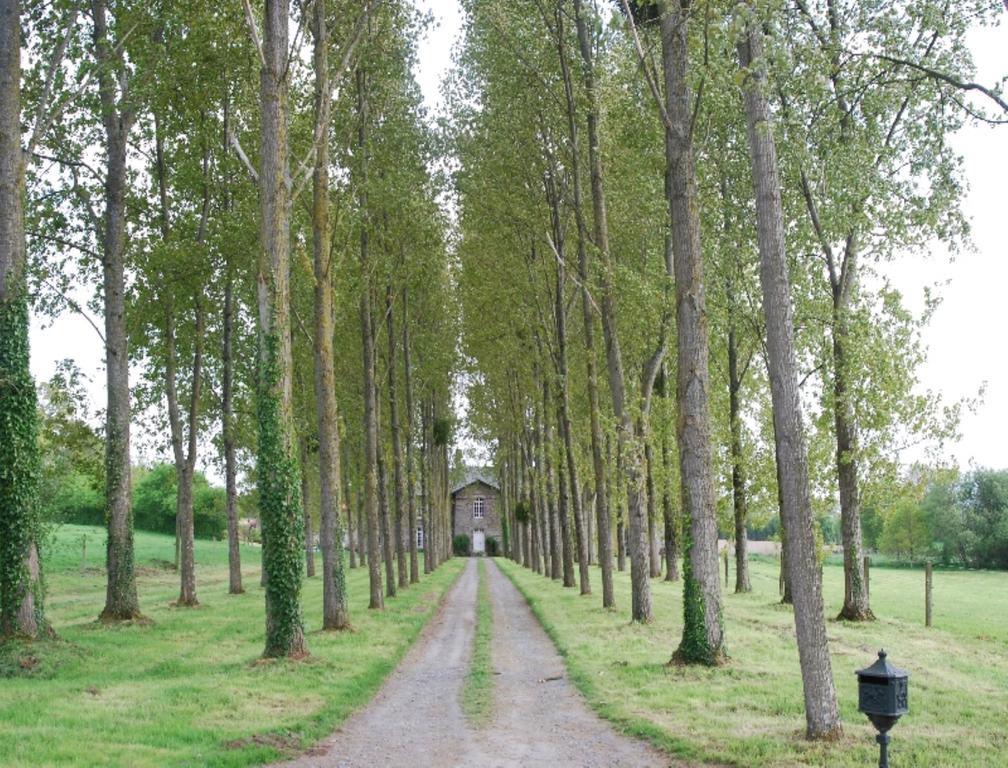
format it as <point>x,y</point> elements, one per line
<point>476,511</point>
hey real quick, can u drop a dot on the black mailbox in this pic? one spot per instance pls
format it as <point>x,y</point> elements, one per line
<point>882,695</point>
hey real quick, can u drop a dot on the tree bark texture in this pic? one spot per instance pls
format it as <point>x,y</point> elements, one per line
<point>309,534</point>
<point>425,490</point>
<point>385,531</point>
<point>278,466</point>
<point>740,507</point>
<point>654,558</point>
<point>821,712</point>
<point>602,492</point>
<point>185,457</point>
<point>335,613</point>
<point>669,514</point>
<point>121,601</point>
<point>856,606</point>
<point>21,601</point>
<point>228,438</point>
<point>703,631</point>
<point>410,458</point>
<point>399,486</point>
<point>367,337</point>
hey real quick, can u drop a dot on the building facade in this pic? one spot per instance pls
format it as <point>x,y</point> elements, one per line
<point>476,512</point>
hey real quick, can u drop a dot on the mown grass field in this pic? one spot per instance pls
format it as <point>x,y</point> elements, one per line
<point>750,713</point>
<point>189,688</point>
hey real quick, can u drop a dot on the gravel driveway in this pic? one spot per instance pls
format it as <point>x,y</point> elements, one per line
<point>539,719</point>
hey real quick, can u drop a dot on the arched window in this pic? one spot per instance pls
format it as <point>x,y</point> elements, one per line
<point>479,510</point>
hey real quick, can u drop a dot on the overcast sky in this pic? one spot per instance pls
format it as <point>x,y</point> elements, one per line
<point>966,338</point>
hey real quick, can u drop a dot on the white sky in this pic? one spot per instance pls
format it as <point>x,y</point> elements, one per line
<point>965,340</point>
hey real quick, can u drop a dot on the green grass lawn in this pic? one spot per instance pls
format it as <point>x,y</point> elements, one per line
<point>189,688</point>
<point>750,713</point>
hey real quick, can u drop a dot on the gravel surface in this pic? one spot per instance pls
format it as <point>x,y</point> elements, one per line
<point>538,719</point>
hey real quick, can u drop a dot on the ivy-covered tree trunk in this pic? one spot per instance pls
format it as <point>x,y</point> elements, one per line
<point>703,630</point>
<point>21,599</point>
<point>410,458</point>
<point>121,602</point>
<point>822,716</point>
<point>228,438</point>
<point>279,492</point>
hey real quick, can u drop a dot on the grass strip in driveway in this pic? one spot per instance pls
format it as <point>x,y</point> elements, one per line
<point>477,691</point>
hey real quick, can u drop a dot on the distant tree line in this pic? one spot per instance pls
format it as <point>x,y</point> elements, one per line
<point>952,519</point>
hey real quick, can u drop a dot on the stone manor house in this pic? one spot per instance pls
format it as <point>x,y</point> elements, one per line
<point>476,510</point>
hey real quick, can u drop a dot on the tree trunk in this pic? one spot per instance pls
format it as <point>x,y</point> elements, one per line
<point>367,336</point>
<point>554,503</point>
<point>228,436</point>
<point>821,713</point>
<point>856,605</point>
<point>538,501</point>
<point>387,549</point>
<point>628,443</point>
<point>278,466</point>
<point>397,468</point>
<point>603,518</point>
<point>309,542</point>
<point>738,461</point>
<point>563,408</point>
<point>185,459</point>
<point>21,600</point>
<point>350,502</point>
<point>652,512</point>
<point>669,515</point>
<point>335,612</point>
<point>121,602</point>
<point>703,631</point>
<point>362,529</point>
<point>425,490</point>
<point>410,460</point>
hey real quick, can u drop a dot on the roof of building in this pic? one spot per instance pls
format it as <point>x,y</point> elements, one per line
<point>476,475</point>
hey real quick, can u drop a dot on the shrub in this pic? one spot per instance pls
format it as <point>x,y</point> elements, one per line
<point>461,545</point>
<point>154,503</point>
<point>492,548</point>
<point>522,512</point>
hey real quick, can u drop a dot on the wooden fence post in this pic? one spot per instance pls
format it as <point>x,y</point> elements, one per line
<point>927,594</point>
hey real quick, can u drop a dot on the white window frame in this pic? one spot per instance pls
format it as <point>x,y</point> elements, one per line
<point>419,537</point>
<point>479,508</point>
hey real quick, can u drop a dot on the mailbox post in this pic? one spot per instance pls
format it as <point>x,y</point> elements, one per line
<point>882,695</point>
